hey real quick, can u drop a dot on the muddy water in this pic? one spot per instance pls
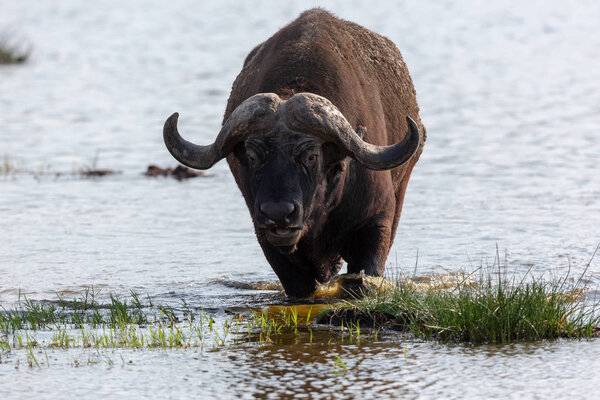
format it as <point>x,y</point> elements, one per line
<point>510,96</point>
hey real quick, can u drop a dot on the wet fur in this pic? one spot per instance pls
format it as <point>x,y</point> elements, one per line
<point>364,76</point>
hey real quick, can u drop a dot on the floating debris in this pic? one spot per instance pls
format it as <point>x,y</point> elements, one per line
<point>11,51</point>
<point>93,173</point>
<point>179,173</point>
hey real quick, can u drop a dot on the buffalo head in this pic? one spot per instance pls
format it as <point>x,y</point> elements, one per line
<point>293,155</point>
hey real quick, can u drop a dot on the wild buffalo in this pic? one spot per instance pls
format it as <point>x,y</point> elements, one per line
<point>321,133</point>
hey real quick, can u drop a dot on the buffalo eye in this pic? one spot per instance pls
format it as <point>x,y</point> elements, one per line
<point>252,158</point>
<point>311,158</point>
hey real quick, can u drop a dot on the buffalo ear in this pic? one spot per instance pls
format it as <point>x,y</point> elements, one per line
<point>240,153</point>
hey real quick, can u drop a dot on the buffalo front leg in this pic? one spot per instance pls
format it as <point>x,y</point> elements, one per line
<point>297,279</point>
<point>367,249</point>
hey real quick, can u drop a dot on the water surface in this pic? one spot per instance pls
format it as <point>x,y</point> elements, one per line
<point>510,95</point>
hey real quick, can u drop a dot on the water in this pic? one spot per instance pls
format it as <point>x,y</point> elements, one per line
<point>407,370</point>
<point>510,95</point>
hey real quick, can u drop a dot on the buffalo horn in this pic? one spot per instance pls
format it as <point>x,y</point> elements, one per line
<point>257,113</point>
<point>314,114</point>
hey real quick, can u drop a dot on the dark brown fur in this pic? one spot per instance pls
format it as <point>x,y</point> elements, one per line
<point>364,76</point>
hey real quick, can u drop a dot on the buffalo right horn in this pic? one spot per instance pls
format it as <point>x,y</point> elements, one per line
<point>255,114</point>
<point>314,114</point>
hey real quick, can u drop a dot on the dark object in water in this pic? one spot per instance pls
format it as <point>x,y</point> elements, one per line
<point>179,173</point>
<point>6,57</point>
<point>11,51</point>
<point>92,173</point>
<point>321,133</point>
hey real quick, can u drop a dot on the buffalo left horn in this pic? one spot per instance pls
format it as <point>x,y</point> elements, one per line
<point>314,114</point>
<point>257,113</point>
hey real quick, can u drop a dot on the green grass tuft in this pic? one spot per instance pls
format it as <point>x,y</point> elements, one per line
<point>495,310</point>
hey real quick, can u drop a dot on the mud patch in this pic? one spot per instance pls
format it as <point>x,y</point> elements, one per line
<point>350,316</point>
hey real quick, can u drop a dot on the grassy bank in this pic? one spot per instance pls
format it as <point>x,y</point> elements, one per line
<point>491,309</point>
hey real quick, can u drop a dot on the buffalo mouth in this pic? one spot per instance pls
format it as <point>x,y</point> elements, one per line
<point>278,236</point>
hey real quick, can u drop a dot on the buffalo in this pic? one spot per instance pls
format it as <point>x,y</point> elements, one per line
<point>321,132</point>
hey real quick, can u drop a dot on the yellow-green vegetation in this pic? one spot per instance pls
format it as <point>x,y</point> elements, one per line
<point>94,330</point>
<point>85,322</point>
<point>493,309</point>
<point>8,166</point>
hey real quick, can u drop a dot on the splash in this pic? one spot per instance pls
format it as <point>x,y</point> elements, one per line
<point>259,285</point>
<point>351,285</point>
<point>357,285</point>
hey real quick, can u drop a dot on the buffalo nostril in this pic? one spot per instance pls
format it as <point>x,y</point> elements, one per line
<point>278,212</point>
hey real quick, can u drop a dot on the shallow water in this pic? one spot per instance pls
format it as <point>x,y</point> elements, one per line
<point>510,95</point>
<point>386,367</point>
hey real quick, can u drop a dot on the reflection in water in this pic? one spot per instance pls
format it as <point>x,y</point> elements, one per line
<point>392,366</point>
<point>386,367</point>
<point>305,369</point>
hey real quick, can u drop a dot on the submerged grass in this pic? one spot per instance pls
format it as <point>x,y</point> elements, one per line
<point>495,310</point>
<point>85,310</point>
<point>85,322</point>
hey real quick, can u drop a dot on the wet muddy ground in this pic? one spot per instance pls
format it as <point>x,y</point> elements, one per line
<point>509,94</point>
